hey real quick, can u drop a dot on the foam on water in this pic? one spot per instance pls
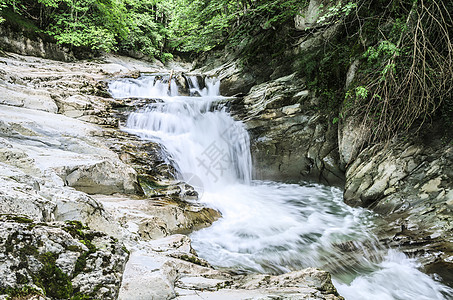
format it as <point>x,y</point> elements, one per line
<point>267,226</point>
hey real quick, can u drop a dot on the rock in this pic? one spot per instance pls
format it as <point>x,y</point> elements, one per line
<point>233,80</point>
<point>46,201</point>
<point>154,170</point>
<point>105,177</point>
<point>351,74</point>
<point>31,43</point>
<point>352,136</point>
<point>158,217</point>
<point>410,185</point>
<point>310,43</point>
<point>143,279</point>
<point>307,19</point>
<point>289,140</point>
<point>168,277</point>
<point>79,160</point>
<point>59,260</point>
<point>34,99</point>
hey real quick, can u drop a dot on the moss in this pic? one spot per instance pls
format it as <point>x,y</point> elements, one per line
<point>125,250</point>
<point>192,259</point>
<point>10,242</point>
<point>90,246</point>
<point>76,224</point>
<point>29,250</point>
<point>75,228</point>
<point>17,20</point>
<point>16,218</point>
<point>21,279</point>
<point>80,263</point>
<point>73,248</point>
<point>55,283</point>
<point>23,291</point>
<point>21,219</point>
<point>80,296</point>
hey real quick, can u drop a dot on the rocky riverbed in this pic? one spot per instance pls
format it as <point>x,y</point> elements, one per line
<point>407,181</point>
<point>90,211</point>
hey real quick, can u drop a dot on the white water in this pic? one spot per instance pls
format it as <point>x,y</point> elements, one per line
<point>267,226</point>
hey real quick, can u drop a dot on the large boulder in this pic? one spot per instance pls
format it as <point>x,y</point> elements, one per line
<point>352,137</point>
<point>233,79</point>
<point>158,217</point>
<point>68,150</point>
<point>290,140</point>
<point>58,260</point>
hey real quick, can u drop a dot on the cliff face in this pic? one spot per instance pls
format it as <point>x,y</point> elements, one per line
<point>410,183</point>
<point>14,38</point>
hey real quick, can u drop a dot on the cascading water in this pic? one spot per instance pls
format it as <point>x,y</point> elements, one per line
<point>266,226</point>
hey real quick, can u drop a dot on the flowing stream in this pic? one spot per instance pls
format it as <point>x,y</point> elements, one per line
<point>266,227</point>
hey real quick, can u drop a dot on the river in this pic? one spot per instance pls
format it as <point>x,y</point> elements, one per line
<point>266,227</point>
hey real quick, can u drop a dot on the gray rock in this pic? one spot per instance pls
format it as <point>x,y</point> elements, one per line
<point>307,18</point>
<point>233,80</point>
<point>160,274</point>
<point>411,185</point>
<point>31,44</point>
<point>158,217</point>
<point>352,136</point>
<point>59,259</point>
<point>289,140</point>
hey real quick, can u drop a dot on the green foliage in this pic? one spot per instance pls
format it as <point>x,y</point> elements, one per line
<point>405,73</point>
<point>148,32</point>
<point>201,25</point>
<point>335,11</point>
<point>2,6</point>
<point>361,92</point>
<point>95,24</point>
<point>325,69</point>
<point>157,27</point>
<point>385,49</point>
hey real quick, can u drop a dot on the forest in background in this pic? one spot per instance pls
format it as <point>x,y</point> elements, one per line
<point>403,48</point>
<point>156,28</point>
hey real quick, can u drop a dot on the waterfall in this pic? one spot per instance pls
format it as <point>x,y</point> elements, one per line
<point>266,227</point>
<point>202,141</point>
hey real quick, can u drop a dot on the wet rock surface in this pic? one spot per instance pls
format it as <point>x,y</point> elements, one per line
<point>290,140</point>
<point>64,161</point>
<point>410,185</point>
<point>171,270</point>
